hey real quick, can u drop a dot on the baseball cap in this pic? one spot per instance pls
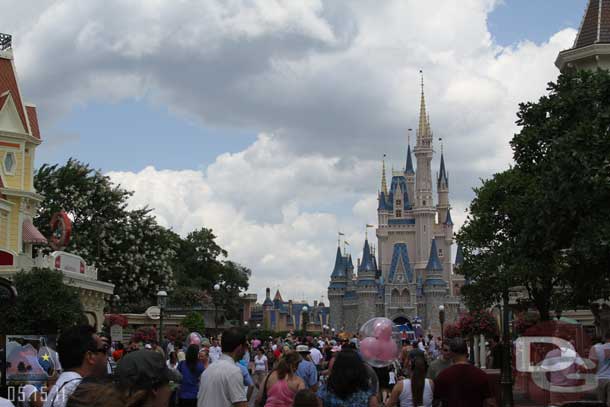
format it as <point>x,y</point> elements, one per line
<point>302,349</point>
<point>143,369</point>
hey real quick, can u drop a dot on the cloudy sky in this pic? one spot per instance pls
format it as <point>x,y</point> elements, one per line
<point>266,120</point>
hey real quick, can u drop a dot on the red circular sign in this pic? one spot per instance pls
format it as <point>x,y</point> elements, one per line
<point>61,228</point>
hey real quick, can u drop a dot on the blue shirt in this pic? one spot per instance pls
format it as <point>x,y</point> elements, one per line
<point>307,371</point>
<point>190,382</point>
<point>358,399</point>
<point>244,372</point>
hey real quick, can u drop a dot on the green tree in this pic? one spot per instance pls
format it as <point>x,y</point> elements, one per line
<point>44,304</point>
<point>128,247</point>
<point>545,223</point>
<point>194,322</point>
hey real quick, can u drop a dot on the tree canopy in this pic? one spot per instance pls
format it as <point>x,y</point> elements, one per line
<point>128,246</point>
<point>44,304</point>
<point>544,224</point>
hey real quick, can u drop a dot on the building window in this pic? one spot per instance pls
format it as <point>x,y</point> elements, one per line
<point>424,202</point>
<point>9,163</point>
<point>440,252</point>
<point>398,203</point>
<point>398,213</point>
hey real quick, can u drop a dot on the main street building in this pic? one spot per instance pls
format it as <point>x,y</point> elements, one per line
<point>411,276</point>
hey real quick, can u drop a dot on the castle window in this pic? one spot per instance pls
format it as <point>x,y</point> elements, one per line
<point>398,213</point>
<point>424,202</point>
<point>440,252</point>
<point>9,163</point>
<point>398,202</point>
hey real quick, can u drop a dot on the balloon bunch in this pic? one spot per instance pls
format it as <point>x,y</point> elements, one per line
<point>379,344</point>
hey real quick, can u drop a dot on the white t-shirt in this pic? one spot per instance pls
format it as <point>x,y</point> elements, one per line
<point>63,389</point>
<point>221,384</point>
<point>5,403</point>
<point>259,363</point>
<point>406,398</point>
<point>601,354</point>
<point>215,352</point>
<point>316,356</point>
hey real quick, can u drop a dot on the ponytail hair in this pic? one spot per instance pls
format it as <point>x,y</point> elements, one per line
<point>287,364</point>
<point>419,367</point>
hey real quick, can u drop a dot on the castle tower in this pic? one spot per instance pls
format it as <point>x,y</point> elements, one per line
<point>410,173</point>
<point>367,288</point>
<point>336,290</point>
<point>267,309</point>
<point>435,289</point>
<point>444,229</point>
<point>424,206</point>
<point>591,49</point>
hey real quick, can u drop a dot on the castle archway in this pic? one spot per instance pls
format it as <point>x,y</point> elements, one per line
<point>402,323</point>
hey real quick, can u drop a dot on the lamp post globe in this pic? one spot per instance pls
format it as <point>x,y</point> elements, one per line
<point>441,318</point>
<point>216,287</point>
<point>161,302</point>
<point>258,326</point>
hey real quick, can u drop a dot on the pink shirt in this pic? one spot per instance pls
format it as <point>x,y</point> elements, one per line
<point>280,395</point>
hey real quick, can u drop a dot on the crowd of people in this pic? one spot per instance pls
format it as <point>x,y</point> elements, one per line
<point>232,370</point>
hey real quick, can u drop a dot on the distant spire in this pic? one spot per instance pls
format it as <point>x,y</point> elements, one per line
<point>384,183</point>
<point>409,167</point>
<point>339,269</point>
<point>434,263</point>
<point>367,263</point>
<point>422,131</point>
<point>459,256</point>
<point>278,296</point>
<point>448,220</point>
<point>443,180</point>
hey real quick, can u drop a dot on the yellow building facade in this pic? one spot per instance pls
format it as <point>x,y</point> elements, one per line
<point>19,138</point>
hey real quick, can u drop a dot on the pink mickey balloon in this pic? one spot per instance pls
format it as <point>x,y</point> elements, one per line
<point>383,329</point>
<point>389,351</point>
<point>368,347</point>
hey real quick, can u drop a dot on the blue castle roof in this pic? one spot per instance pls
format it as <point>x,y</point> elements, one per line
<point>400,253</point>
<point>339,269</point>
<point>434,263</point>
<point>459,256</point>
<point>409,167</point>
<point>386,202</point>
<point>448,220</point>
<point>368,263</point>
<point>442,175</point>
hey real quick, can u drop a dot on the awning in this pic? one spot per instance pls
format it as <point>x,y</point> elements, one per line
<point>31,234</point>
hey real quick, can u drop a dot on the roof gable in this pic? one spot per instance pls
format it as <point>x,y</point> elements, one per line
<point>595,26</point>
<point>8,82</point>
<point>400,264</point>
<point>33,120</point>
<point>9,115</point>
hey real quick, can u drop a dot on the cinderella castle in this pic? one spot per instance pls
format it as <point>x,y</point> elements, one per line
<point>414,275</point>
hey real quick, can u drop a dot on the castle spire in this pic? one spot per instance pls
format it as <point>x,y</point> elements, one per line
<point>443,180</point>
<point>422,131</point>
<point>409,167</point>
<point>384,183</point>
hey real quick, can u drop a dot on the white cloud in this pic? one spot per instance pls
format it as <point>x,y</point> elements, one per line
<point>335,81</point>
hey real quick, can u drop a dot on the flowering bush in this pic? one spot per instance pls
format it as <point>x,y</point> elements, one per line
<point>525,320</point>
<point>477,323</point>
<point>116,319</point>
<point>176,333</point>
<point>452,331</point>
<point>145,334</point>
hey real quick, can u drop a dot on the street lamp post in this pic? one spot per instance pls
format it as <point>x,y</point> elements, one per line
<point>441,318</point>
<point>162,303</point>
<point>217,289</point>
<point>506,379</point>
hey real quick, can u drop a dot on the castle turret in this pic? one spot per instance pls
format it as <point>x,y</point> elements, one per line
<point>591,49</point>
<point>442,188</point>
<point>267,309</point>
<point>367,288</point>
<point>337,288</point>
<point>435,288</point>
<point>410,173</point>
